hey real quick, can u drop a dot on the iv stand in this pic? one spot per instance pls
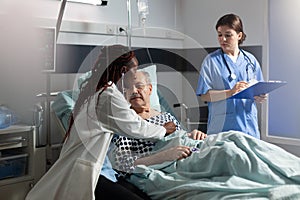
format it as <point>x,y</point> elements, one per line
<point>129,29</point>
<point>49,157</point>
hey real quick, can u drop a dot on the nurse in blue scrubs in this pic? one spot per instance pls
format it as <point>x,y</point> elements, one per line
<point>225,72</point>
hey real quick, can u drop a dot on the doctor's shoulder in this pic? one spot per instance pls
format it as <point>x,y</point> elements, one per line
<point>113,94</point>
<point>216,54</point>
<point>213,54</point>
<point>249,55</point>
<point>212,58</point>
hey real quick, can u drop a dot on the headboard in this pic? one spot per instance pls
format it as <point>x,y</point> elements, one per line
<point>69,58</point>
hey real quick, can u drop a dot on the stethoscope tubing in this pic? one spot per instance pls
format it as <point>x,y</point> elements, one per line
<point>232,76</point>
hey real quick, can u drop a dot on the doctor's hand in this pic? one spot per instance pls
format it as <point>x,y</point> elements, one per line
<point>239,86</point>
<point>197,135</point>
<point>261,98</point>
<point>170,128</point>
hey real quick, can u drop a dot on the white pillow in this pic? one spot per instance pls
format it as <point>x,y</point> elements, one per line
<point>83,77</point>
<point>154,99</point>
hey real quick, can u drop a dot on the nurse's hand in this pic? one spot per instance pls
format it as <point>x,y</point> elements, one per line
<point>239,86</point>
<point>261,98</point>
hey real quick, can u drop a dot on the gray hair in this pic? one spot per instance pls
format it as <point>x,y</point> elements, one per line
<point>146,74</point>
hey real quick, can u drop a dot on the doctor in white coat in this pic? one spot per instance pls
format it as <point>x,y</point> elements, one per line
<point>100,111</point>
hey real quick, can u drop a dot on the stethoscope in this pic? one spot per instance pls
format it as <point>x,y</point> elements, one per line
<point>232,76</point>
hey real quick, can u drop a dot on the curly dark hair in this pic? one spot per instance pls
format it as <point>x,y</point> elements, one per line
<point>117,58</point>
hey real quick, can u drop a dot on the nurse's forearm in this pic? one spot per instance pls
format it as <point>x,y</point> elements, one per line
<point>216,95</point>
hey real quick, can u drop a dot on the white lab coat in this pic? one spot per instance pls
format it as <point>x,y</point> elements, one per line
<point>75,174</point>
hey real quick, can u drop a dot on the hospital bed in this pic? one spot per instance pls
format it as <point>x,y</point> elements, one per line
<point>69,61</point>
<point>221,186</point>
<point>63,103</point>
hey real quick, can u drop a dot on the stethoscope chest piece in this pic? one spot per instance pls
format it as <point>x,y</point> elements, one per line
<point>232,76</point>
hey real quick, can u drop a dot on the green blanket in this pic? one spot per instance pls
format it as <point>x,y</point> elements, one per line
<point>229,165</point>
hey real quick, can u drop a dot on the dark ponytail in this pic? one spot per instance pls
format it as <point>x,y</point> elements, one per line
<point>114,58</point>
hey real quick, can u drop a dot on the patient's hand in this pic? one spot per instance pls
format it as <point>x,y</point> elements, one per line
<point>171,154</point>
<point>197,135</point>
<point>170,128</point>
<point>175,153</point>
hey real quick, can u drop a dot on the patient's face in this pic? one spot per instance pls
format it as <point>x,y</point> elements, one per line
<point>138,91</point>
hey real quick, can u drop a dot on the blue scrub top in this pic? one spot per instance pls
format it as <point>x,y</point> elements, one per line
<point>107,169</point>
<point>229,114</point>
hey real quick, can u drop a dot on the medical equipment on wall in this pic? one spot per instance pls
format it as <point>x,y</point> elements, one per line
<point>92,2</point>
<point>143,10</point>
<point>7,117</point>
<point>232,76</point>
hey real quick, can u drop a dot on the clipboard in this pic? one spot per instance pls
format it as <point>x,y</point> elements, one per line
<point>262,87</point>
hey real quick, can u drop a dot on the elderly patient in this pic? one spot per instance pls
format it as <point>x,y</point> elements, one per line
<point>130,152</point>
<point>228,165</point>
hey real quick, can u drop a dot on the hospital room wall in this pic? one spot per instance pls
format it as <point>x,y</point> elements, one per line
<point>284,57</point>
<point>280,44</point>
<point>21,79</point>
<point>199,19</point>
<point>194,18</point>
<point>283,111</point>
<point>162,13</point>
